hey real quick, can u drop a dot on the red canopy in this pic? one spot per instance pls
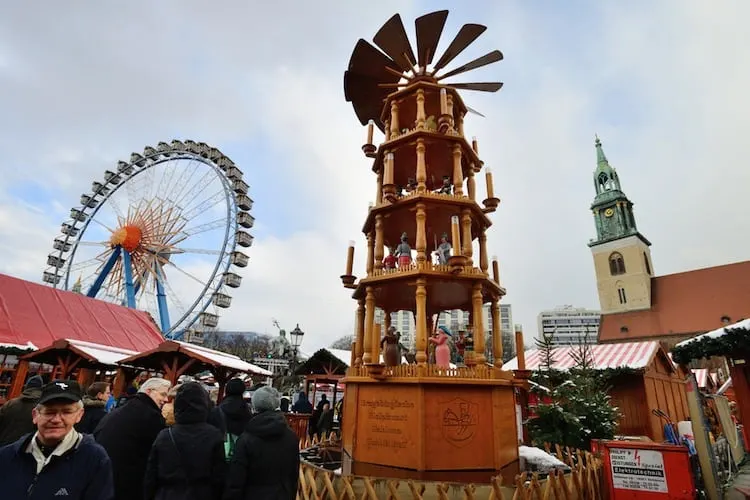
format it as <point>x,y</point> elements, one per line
<point>39,314</point>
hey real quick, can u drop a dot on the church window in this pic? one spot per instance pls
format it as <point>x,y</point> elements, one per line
<point>616,264</point>
<point>648,264</point>
<point>622,296</point>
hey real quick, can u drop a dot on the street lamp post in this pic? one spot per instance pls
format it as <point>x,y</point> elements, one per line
<point>295,336</point>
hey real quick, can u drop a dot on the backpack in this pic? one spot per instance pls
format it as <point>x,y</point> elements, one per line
<point>230,440</point>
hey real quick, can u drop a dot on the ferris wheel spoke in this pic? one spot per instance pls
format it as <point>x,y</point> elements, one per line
<point>95,221</point>
<point>203,251</point>
<point>174,298</point>
<point>205,205</point>
<point>79,266</point>
<point>189,275</point>
<point>195,189</point>
<point>93,243</point>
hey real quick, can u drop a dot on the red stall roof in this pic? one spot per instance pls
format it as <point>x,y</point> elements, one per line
<point>39,314</point>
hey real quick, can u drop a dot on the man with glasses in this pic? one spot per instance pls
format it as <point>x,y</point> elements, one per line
<point>56,461</point>
<point>127,434</point>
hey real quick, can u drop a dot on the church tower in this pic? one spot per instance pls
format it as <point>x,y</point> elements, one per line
<point>622,257</point>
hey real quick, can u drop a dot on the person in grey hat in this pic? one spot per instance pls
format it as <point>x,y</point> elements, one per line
<point>56,460</point>
<point>15,415</point>
<point>265,464</point>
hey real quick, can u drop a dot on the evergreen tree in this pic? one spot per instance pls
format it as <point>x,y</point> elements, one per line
<point>580,409</point>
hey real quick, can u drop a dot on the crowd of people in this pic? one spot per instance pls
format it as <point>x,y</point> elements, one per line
<point>160,443</point>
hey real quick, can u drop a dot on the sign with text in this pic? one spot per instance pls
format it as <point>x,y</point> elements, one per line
<point>636,469</point>
<point>386,426</point>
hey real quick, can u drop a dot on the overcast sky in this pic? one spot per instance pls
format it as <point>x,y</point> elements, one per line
<point>664,84</point>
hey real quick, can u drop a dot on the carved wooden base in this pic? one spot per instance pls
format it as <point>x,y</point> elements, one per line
<point>446,424</point>
<point>490,205</point>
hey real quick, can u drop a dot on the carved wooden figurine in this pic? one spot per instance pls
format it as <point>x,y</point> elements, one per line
<point>443,250</point>
<point>403,252</point>
<point>391,352</point>
<point>442,349</point>
<point>390,260</point>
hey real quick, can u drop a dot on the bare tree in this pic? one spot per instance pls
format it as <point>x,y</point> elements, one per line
<point>344,343</point>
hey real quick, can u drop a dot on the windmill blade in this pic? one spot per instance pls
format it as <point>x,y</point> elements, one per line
<point>429,28</point>
<point>392,39</point>
<point>467,34</point>
<point>472,110</point>
<point>369,61</point>
<point>486,59</point>
<point>366,96</point>
<point>482,87</point>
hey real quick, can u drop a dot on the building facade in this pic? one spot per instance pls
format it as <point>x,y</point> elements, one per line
<point>568,325</point>
<point>637,305</point>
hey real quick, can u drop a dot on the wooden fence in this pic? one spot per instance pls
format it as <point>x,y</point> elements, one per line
<point>582,482</point>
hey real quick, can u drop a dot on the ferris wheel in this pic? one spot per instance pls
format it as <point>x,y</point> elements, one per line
<point>163,233</point>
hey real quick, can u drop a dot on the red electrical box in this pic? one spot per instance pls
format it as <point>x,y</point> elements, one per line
<point>645,471</point>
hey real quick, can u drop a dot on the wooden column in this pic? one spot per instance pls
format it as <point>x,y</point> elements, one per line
<point>379,241</point>
<point>476,299</point>
<point>520,352</point>
<point>387,130</point>
<point>375,344</point>
<point>370,252</point>
<point>394,119</point>
<point>420,110</point>
<point>449,98</point>
<point>369,324</point>
<point>421,321</point>
<point>483,263</point>
<point>85,377</point>
<point>468,247</point>
<point>421,235</point>
<point>22,370</point>
<point>421,167</point>
<point>120,383</point>
<point>360,330</point>
<point>497,334</point>
<point>471,184</point>
<point>460,123</point>
<point>458,176</point>
<point>379,192</point>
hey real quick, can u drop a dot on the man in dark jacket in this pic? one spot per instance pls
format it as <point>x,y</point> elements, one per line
<point>187,459</point>
<point>94,403</point>
<point>15,415</point>
<point>232,414</point>
<point>302,405</point>
<point>56,461</point>
<point>127,434</point>
<point>265,465</point>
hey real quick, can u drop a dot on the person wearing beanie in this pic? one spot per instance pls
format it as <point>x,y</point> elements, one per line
<point>187,459</point>
<point>15,415</point>
<point>265,464</point>
<point>232,414</point>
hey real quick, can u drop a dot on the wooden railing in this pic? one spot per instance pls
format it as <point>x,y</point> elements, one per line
<point>430,370</point>
<point>583,482</point>
<point>428,266</point>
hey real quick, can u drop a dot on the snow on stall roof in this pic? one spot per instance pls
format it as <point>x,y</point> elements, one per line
<point>224,359</point>
<point>635,355</point>
<point>104,354</point>
<point>26,346</point>
<point>719,332</point>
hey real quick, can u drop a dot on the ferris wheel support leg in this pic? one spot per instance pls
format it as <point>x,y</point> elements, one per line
<point>161,299</point>
<point>129,287</point>
<point>99,281</point>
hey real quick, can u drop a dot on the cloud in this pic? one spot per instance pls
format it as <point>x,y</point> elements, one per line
<point>663,85</point>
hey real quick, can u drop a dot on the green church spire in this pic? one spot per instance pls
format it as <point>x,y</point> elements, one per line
<point>613,211</point>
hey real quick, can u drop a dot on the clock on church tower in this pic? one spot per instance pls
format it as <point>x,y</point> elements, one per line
<point>622,255</point>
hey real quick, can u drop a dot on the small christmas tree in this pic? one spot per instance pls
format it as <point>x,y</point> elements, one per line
<point>580,409</point>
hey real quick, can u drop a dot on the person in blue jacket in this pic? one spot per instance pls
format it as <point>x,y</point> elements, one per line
<point>56,460</point>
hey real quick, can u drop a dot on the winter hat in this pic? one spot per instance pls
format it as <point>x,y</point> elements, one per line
<point>266,399</point>
<point>235,387</point>
<point>445,330</point>
<point>191,403</point>
<point>34,382</point>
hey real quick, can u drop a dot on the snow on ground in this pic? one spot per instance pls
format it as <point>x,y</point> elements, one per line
<point>539,460</point>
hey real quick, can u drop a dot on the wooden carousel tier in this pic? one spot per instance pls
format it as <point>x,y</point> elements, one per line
<point>406,99</point>
<point>431,423</point>
<point>399,217</point>
<point>395,289</point>
<point>438,156</point>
